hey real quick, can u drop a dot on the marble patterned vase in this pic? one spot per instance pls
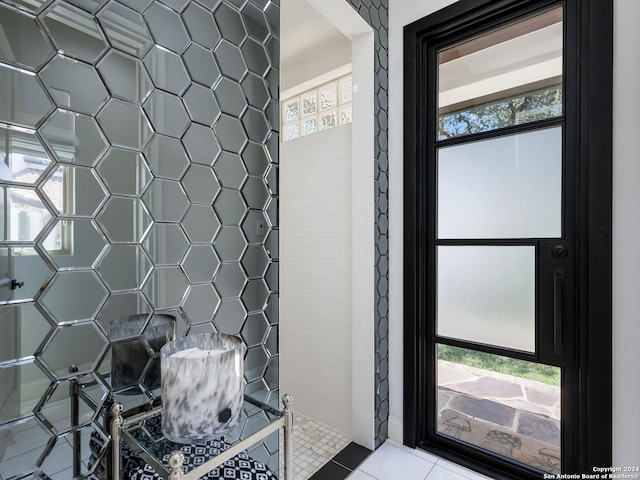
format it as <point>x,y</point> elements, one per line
<point>129,358</point>
<point>202,386</point>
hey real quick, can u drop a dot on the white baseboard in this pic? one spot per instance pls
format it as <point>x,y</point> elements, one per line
<point>396,429</point>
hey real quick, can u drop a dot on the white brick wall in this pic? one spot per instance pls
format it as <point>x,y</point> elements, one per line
<point>316,275</point>
<point>327,250</point>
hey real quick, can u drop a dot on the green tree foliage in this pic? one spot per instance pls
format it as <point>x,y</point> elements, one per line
<point>514,111</point>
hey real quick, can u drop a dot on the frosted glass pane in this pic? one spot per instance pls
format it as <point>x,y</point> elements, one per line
<point>344,85</point>
<point>292,131</point>
<point>345,114</point>
<point>507,187</point>
<point>486,294</point>
<point>328,120</point>
<point>309,103</point>
<point>291,111</point>
<point>328,96</point>
<point>309,126</point>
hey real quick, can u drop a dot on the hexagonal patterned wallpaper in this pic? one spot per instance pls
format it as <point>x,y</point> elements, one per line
<point>138,167</point>
<point>376,13</point>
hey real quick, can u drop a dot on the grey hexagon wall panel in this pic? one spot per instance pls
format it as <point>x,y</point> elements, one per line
<point>376,14</point>
<point>141,152</point>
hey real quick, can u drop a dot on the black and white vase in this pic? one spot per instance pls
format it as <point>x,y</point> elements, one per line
<point>129,358</point>
<point>202,386</point>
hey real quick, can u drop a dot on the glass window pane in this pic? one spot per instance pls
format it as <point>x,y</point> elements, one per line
<point>309,104</point>
<point>486,294</point>
<point>507,187</point>
<point>291,110</point>
<point>309,126</point>
<point>506,77</point>
<point>345,114</point>
<point>291,131</point>
<point>328,96</point>
<point>328,120</point>
<point>508,406</point>
<point>345,90</point>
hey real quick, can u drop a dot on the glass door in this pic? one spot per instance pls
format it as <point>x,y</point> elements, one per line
<point>502,242</point>
<point>507,236</point>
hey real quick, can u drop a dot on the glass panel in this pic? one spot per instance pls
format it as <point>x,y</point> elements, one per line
<point>22,157</point>
<point>22,100</point>
<point>328,120</point>
<point>506,77</point>
<point>64,352</point>
<point>83,286</point>
<point>486,294</point>
<point>292,132</point>
<point>124,219</point>
<point>74,85</point>
<point>23,42</point>
<point>328,95</point>
<point>74,243</point>
<point>124,124</point>
<point>124,267</point>
<point>309,126</point>
<point>74,138</point>
<point>166,287</point>
<point>16,319</point>
<point>231,58</point>
<point>507,187</point>
<point>201,104</point>
<point>125,76</point>
<point>507,406</point>
<point>166,244</point>
<point>74,191</point>
<point>292,111</point>
<point>167,113</point>
<point>344,86</point>
<point>309,104</point>
<point>24,265</point>
<point>166,27</point>
<point>345,115</point>
<point>74,32</point>
<point>15,378</point>
<point>28,439</point>
<point>125,28</point>
<point>24,214</point>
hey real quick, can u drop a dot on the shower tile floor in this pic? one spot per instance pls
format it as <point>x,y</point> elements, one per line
<point>314,444</point>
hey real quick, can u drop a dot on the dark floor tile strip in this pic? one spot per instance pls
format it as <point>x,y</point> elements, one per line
<point>351,456</point>
<point>331,471</point>
<point>343,463</point>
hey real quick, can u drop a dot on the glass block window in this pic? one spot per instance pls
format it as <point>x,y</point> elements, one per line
<point>320,108</point>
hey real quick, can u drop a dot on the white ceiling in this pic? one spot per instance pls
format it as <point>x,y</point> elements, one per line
<point>303,29</point>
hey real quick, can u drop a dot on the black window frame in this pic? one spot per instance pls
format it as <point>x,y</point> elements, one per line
<point>588,67</point>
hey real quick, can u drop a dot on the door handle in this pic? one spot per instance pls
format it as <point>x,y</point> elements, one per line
<point>558,280</point>
<point>13,283</point>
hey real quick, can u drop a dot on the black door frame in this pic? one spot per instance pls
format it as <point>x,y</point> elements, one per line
<point>589,50</point>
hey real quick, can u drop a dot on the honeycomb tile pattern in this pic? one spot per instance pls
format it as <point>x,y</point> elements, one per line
<point>139,153</point>
<point>376,14</point>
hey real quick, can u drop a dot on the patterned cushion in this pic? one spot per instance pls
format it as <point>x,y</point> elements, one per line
<point>240,467</point>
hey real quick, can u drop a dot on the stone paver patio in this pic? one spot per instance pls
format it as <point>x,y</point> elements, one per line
<point>514,417</point>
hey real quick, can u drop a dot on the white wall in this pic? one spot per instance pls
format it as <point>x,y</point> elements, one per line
<point>401,13</point>
<point>626,217</point>
<point>346,20</point>
<point>626,233</point>
<point>323,58</point>
<point>315,275</point>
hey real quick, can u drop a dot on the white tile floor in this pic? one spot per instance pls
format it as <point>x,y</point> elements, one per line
<point>314,444</point>
<point>393,461</point>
